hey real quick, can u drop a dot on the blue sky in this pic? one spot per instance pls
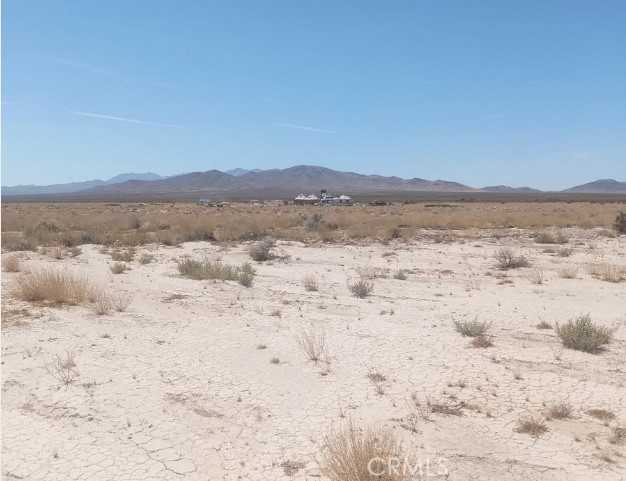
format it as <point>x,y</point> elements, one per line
<point>477,91</point>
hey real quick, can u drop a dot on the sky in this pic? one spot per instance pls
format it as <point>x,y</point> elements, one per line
<point>483,92</point>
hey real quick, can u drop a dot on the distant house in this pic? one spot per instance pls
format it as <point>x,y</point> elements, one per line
<point>306,199</point>
<point>331,200</point>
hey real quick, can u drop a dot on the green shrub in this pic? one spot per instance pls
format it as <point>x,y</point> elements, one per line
<point>215,270</point>
<point>472,328</point>
<point>582,334</point>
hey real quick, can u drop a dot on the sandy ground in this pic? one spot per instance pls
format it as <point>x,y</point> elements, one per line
<point>177,388</point>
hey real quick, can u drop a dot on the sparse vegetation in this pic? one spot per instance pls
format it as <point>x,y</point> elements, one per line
<point>310,283</point>
<point>118,267</point>
<point>536,275</point>
<point>11,263</point>
<point>607,272</point>
<point>361,289</point>
<point>378,380</point>
<point>400,274</point>
<point>533,425</point>
<point>123,256</point>
<point>602,414</point>
<point>121,301</point>
<point>619,224</point>
<point>568,272</point>
<point>312,344</point>
<point>63,369</point>
<point>507,259</point>
<point>215,270</point>
<point>560,410</point>
<point>146,259</point>
<point>262,251</point>
<point>100,303</point>
<point>472,328</point>
<point>582,334</point>
<point>52,286</point>
<point>481,342</point>
<point>353,454</point>
<point>544,325</point>
<point>548,238</point>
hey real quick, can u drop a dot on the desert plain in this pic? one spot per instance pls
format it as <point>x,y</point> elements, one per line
<point>169,366</point>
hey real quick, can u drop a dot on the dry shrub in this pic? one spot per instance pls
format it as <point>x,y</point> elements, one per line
<point>472,328</point>
<point>11,263</point>
<point>146,259</point>
<point>354,454</point>
<point>310,283</point>
<point>122,301</point>
<point>565,252</point>
<point>547,238</point>
<point>536,275</point>
<point>601,414</point>
<point>371,273</point>
<point>544,325</point>
<point>118,267</point>
<point>507,259</point>
<point>100,303</point>
<point>568,272</point>
<point>560,410</point>
<point>533,425</point>
<point>198,235</point>
<point>123,256</point>
<point>53,287</point>
<point>481,342</point>
<point>607,272</point>
<point>378,380</point>
<point>262,251</point>
<point>400,274</point>
<point>56,252</point>
<point>361,289</point>
<point>313,345</point>
<point>619,224</point>
<point>582,334</point>
<point>64,369</point>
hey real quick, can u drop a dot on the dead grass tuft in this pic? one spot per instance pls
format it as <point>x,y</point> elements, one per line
<point>353,454</point>
<point>53,287</point>
<point>607,272</point>
<point>313,345</point>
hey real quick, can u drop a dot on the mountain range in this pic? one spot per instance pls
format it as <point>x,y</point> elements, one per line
<point>281,182</point>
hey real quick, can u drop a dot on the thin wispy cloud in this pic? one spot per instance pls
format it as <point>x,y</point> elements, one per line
<point>305,127</point>
<point>123,119</point>
<point>88,68</point>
